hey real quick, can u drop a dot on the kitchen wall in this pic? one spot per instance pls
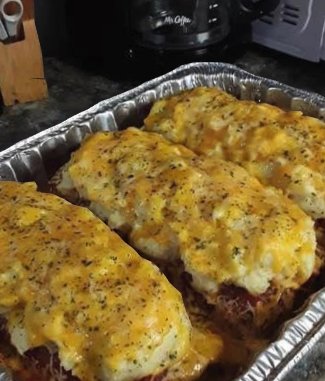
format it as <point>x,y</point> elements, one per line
<point>50,17</point>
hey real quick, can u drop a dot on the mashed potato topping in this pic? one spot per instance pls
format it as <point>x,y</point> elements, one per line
<point>283,149</point>
<point>221,222</point>
<point>67,281</point>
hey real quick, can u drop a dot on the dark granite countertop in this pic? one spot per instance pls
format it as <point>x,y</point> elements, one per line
<point>72,90</point>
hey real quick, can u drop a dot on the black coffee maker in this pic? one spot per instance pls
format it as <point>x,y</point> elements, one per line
<point>148,37</point>
<point>191,24</point>
<point>170,32</point>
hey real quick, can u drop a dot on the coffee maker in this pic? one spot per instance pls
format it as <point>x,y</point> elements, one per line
<point>148,37</point>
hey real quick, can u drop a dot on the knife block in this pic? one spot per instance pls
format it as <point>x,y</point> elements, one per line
<point>21,64</point>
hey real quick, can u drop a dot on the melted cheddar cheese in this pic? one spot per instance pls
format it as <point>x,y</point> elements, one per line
<point>206,348</point>
<point>67,281</point>
<point>283,149</point>
<point>172,204</point>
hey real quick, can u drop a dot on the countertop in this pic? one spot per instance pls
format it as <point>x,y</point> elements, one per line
<point>72,90</point>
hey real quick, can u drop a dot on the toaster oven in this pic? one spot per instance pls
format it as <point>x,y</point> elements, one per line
<point>295,27</point>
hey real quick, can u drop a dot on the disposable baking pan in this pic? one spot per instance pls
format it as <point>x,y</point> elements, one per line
<point>38,157</point>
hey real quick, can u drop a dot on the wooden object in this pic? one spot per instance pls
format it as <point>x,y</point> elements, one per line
<point>21,64</point>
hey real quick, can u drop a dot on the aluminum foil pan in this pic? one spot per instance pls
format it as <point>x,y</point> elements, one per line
<point>38,157</point>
